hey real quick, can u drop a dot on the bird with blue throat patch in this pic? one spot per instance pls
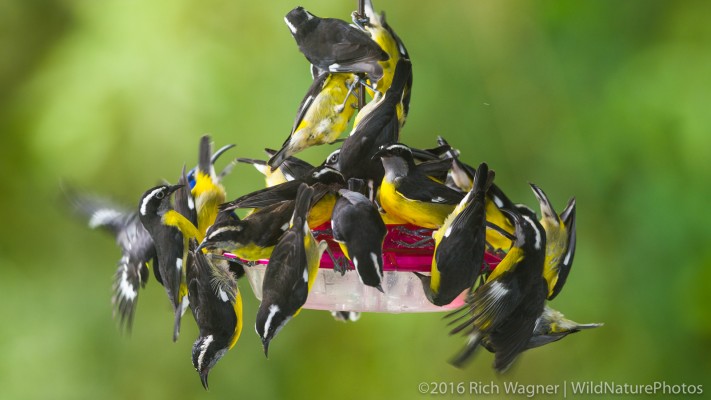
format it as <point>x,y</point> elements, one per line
<point>137,250</point>
<point>360,232</point>
<point>408,194</point>
<point>332,45</point>
<point>170,232</point>
<point>323,115</point>
<point>506,307</point>
<point>379,127</point>
<point>216,304</point>
<point>459,245</point>
<point>560,241</point>
<point>291,272</point>
<point>550,327</point>
<point>383,34</point>
<point>291,168</point>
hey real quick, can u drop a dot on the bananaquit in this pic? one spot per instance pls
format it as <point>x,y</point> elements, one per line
<point>459,245</point>
<point>505,308</point>
<point>136,245</point>
<point>216,304</point>
<point>411,196</point>
<point>560,241</point>
<point>170,232</point>
<point>359,230</point>
<point>334,45</point>
<point>290,273</point>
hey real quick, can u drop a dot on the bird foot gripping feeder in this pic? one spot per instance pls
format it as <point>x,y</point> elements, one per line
<point>402,255</point>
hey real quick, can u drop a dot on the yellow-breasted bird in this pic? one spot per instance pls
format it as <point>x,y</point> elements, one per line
<point>254,237</point>
<point>560,241</point>
<point>551,326</point>
<point>326,182</point>
<point>334,45</point>
<point>459,245</point>
<point>411,196</point>
<point>359,230</point>
<point>379,127</point>
<point>505,308</point>
<point>137,250</point>
<point>292,168</point>
<point>385,37</point>
<point>208,192</point>
<point>216,304</point>
<point>290,273</point>
<point>323,115</point>
<point>170,232</point>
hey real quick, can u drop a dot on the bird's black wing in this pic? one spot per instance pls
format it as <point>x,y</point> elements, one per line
<point>314,90</point>
<point>265,197</point>
<point>420,188</point>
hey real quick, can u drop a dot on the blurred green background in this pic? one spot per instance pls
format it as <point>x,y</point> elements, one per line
<point>604,100</point>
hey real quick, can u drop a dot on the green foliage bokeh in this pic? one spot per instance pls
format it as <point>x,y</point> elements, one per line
<point>604,100</point>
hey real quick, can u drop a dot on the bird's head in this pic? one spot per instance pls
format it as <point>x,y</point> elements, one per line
<point>397,159</point>
<point>269,322</point>
<point>156,199</point>
<point>207,351</point>
<point>296,18</point>
<point>548,213</point>
<point>224,234</point>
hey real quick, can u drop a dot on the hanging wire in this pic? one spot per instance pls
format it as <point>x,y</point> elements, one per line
<point>361,90</point>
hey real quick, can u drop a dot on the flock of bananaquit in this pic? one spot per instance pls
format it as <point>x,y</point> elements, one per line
<point>371,181</point>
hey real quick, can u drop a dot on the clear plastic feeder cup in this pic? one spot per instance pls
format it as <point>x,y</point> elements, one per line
<point>403,289</point>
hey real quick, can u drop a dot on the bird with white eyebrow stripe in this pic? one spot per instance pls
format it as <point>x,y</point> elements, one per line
<point>170,231</point>
<point>359,230</point>
<point>290,273</point>
<point>408,194</point>
<point>459,245</point>
<point>334,45</point>
<point>505,308</point>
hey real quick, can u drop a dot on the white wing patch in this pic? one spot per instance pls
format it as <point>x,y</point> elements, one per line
<point>306,275</point>
<point>126,289</point>
<point>102,217</point>
<point>179,263</point>
<point>438,199</point>
<point>499,203</point>
<point>223,295</point>
<point>498,290</point>
<point>376,263</point>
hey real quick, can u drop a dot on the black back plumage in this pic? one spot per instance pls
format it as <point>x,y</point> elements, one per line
<point>356,222</point>
<point>334,45</point>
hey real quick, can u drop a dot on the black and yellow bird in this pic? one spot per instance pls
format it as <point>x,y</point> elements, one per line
<point>383,34</point>
<point>137,250</point>
<point>326,182</point>
<point>560,241</point>
<point>551,326</point>
<point>333,45</point>
<point>291,168</point>
<point>291,272</point>
<point>170,232</point>
<point>505,308</point>
<point>459,245</point>
<point>323,115</point>
<point>216,304</point>
<point>408,194</point>
<point>360,232</point>
<point>253,237</point>
<point>379,127</point>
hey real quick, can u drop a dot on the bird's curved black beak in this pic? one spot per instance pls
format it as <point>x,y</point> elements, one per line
<point>173,188</point>
<point>203,378</point>
<point>265,344</point>
<point>382,151</point>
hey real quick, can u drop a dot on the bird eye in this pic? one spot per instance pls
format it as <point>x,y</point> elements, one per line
<point>160,195</point>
